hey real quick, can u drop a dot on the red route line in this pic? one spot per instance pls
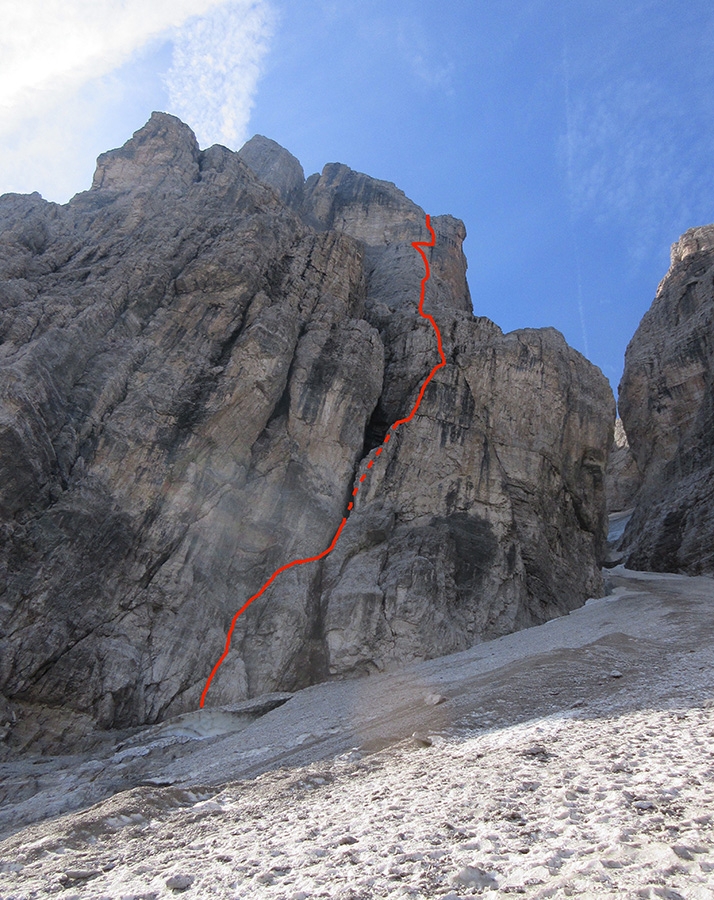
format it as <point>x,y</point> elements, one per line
<point>300,562</point>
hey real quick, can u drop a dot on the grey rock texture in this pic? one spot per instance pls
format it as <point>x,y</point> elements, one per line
<point>275,166</point>
<point>667,406</point>
<point>623,478</point>
<point>198,355</point>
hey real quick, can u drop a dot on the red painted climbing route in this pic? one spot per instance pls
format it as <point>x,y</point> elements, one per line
<point>418,245</point>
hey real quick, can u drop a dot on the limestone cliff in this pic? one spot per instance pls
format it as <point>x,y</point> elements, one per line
<point>623,478</point>
<point>196,355</point>
<point>667,406</point>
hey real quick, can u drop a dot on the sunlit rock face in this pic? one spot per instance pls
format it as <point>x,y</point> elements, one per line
<point>667,406</point>
<point>196,355</point>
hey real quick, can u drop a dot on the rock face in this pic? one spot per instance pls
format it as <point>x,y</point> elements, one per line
<point>667,406</point>
<point>197,356</point>
<point>623,478</point>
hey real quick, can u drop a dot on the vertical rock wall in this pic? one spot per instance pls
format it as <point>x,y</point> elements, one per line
<point>195,356</point>
<point>667,406</point>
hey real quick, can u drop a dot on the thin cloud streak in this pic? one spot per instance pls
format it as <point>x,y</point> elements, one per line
<point>569,149</point>
<point>217,62</point>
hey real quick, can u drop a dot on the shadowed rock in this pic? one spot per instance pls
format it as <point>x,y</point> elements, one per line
<point>667,406</point>
<point>623,478</point>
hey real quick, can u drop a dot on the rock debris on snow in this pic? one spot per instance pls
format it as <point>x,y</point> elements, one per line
<point>179,882</point>
<point>614,799</point>
<point>435,699</point>
<point>620,805</point>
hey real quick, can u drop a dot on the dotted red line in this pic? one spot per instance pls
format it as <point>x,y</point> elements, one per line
<point>300,562</point>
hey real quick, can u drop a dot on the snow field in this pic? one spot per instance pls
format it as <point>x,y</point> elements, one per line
<point>616,806</point>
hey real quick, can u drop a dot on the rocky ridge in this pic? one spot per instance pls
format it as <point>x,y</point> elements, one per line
<point>196,356</point>
<point>667,406</point>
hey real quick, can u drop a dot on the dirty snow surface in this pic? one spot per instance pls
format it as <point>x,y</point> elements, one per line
<point>573,759</point>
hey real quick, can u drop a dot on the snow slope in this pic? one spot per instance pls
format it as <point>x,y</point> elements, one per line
<point>573,759</point>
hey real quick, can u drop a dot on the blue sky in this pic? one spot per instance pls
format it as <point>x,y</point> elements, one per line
<point>573,138</point>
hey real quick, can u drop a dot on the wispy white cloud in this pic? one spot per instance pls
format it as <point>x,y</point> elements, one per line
<point>624,164</point>
<point>78,76</point>
<point>217,62</point>
<point>625,127</point>
<point>51,147</point>
<point>52,46</point>
<point>426,61</point>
